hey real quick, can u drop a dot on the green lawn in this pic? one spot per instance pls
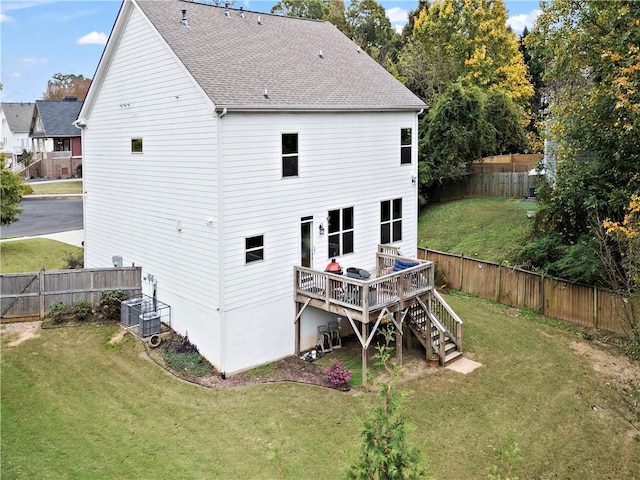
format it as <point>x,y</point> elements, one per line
<point>29,255</point>
<point>56,187</point>
<point>490,229</point>
<point>74,407</point>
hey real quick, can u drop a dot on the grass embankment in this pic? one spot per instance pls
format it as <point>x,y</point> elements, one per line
<point>54,188</point>
<point>29,255</point>
<point>490,229</point>
<point>74,406</point>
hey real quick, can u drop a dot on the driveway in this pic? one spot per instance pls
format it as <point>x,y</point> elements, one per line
<point>42,216</point>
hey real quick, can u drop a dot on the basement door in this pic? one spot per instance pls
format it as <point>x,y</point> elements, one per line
<point>306,241</point>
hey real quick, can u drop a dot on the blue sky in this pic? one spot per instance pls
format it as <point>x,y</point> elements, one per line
<point>41,38</point>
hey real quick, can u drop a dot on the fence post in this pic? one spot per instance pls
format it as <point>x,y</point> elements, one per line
<point>41,292</point>
<point>498,286</point>
<point>542,299</point>
<point>461,271</point>
<point>595,307</point>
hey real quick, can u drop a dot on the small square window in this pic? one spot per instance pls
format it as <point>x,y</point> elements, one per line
<point>136,145</point>
<point>254,249</point>
<point>405,146</point>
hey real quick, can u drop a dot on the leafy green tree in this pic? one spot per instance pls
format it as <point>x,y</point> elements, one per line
<point>538,103</point>
<point>371,29</point>
<point>507,133</point>
<point>314,9</point>
<point>456,133</point>
<point>590,51</point>
<point>11,196</point>
<point>384,452</point>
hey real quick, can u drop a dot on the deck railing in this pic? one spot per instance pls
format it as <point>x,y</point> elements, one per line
<point>366,296</point>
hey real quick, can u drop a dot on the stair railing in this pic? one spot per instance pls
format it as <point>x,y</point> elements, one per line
<point>446,317</point>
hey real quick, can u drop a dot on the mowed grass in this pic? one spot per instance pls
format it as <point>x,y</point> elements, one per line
<point>75,407</point>
<point>53,188</point>
<point>490,229</point>
<point>30,255</point>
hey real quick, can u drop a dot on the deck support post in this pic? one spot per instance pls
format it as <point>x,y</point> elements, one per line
<point>365,354</point>
<point>297,330</point>
<point>297,323</point>
<point>399,326</point>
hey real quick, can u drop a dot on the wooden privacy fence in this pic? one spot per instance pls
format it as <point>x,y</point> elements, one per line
<point>27,296</point>
<point>581,304</point>
<point>508,184</point>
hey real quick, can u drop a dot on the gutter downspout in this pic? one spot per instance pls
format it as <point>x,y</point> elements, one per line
<point>82,124</point>
<point>221,289</point>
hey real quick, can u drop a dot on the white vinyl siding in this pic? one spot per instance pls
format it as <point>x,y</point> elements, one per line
<point>349,160</point>
<point>158,210</point>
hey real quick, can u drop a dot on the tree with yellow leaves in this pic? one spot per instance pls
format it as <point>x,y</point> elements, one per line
<point>625,272</point>
<point>466,41</point>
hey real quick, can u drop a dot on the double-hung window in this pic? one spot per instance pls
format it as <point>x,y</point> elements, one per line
<point>254,249</point>
<point>405,146</point>
<point>340,232</point>
<point>289,154</point>
<point>391,221</point>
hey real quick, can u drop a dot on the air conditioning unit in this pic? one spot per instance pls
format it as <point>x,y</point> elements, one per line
<point>130,311</point>
<point>149,324</point>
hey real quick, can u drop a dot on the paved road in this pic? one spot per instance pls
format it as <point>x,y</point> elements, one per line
<point>41,216</point>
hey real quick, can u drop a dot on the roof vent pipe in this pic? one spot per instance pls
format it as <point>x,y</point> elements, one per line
<point>259,21</point>
<point>184,19</point>
<point>241,12</point>
<point>227,13</point>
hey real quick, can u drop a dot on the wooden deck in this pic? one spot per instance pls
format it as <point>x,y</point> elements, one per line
<point>406,298</point>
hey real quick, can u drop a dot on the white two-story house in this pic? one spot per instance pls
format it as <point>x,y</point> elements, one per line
<point>224,147</point>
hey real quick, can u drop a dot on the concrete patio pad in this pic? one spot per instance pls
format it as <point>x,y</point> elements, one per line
<point>463,365</point>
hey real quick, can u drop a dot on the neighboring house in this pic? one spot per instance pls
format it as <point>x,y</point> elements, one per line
<point>224,147</point>
<point>16,120</point>
<point>57,142</point>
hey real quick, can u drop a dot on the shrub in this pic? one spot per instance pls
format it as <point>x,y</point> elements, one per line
<point>110,304</point>
<point>82,310</point>
<point>338,375</point>
<point>74,260</point>
<point>182,356</point>
<point>57,311</point>
<point>26,189</point>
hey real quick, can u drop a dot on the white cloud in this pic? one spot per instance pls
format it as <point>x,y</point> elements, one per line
<point>5,18</point>
<point>93,38</point>
<point>518,22</point>
<point>15,75</point>
<point>33,61</point>
<point>397,15</point>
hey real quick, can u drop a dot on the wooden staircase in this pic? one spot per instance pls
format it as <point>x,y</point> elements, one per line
<point>437,328</point>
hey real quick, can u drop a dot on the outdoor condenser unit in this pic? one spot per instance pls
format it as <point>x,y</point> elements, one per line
<point>149,324</point>
<point>130,311</point>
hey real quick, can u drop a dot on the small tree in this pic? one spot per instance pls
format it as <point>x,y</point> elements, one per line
<point>11,197</point>
<point>384,453</point>
<point>623,241</point>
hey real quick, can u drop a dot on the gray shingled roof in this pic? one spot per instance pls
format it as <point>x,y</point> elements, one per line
<point>57,118</point>
<point>18,116</point>
<point>236,59</point>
